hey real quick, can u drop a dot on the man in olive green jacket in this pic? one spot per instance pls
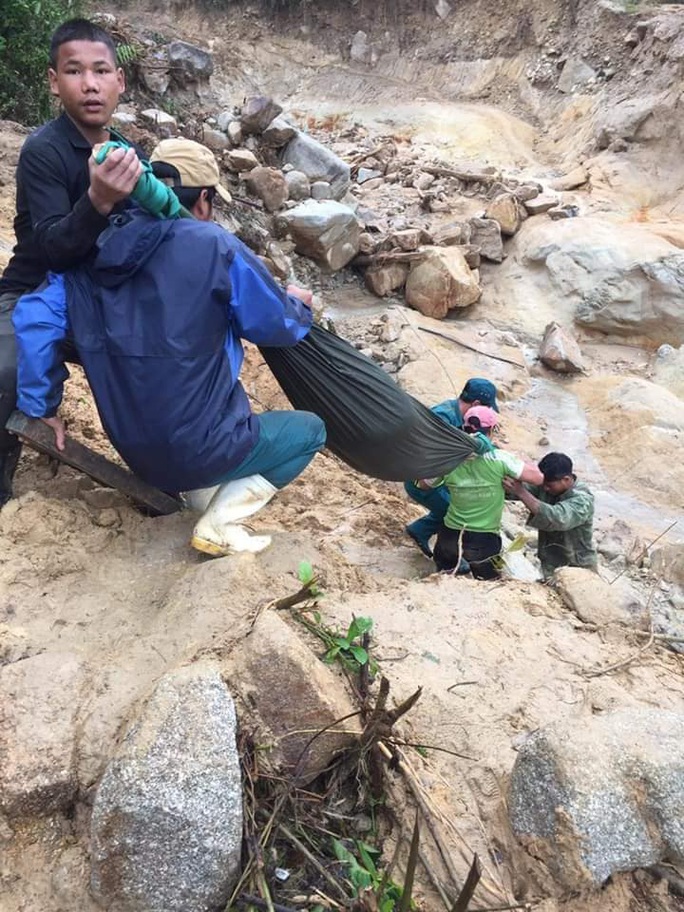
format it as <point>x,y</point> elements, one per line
<point>562,509</point>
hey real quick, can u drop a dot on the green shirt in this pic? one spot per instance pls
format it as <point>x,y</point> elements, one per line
<point>565,526</point>
<point>476,494</point>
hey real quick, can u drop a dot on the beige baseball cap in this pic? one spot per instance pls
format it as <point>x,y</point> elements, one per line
<point>195,164</point>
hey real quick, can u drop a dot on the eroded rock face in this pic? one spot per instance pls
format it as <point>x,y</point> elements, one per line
<point>598,795</point>
<point>39,700</point>
<point>441,282</point>
<point>624,282</point>
<point>167,818</point>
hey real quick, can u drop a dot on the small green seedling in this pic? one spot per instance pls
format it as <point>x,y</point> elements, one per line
<point>348,648</point>
<point>307,577</point>
<point>363,874</point>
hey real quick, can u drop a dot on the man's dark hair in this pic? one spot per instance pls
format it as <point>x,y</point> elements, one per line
<point>187,196</point>
<point>79,30</point>
<point>555,466</point>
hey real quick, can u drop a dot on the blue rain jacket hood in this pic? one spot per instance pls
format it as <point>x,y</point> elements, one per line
<point>157,320</point>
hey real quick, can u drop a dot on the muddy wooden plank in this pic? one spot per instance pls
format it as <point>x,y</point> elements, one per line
<point>40,437</point>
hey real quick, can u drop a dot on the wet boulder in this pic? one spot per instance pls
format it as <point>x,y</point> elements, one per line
<point>560,351</point>
<point>305,154</point>
<point>592,796</point>
<point>327,232</point>
<point>441,282</point>
<point>167,819</point>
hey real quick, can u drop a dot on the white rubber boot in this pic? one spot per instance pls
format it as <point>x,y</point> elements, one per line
<point>199,499</point>
<point>218,532</point>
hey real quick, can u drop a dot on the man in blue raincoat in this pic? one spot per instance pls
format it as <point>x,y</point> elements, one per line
<point>157,320</point>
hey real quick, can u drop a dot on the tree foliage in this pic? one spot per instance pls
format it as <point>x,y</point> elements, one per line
<point>25,30</point>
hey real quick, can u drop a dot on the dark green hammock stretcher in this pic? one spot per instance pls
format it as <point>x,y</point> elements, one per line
<point>372,424</point>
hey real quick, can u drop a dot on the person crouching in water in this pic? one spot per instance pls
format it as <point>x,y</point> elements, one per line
<point>562,509</point>
<point>470,538</point>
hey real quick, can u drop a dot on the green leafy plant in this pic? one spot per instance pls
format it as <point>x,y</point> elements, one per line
<point>126,54</point>
<point>348,647</point>
<point>25,30</point>
<point>307,577</point>
<point>518,543</point>
<point>363,874</point>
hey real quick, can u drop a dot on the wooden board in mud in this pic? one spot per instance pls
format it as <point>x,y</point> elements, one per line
<point>41,438</point>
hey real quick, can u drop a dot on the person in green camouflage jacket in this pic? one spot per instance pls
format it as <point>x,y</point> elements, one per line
<point>562,509</point>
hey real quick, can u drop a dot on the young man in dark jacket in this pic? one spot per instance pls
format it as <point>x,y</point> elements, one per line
<point>63,197</point>
<point>157,321</point>
<point>562,509</point>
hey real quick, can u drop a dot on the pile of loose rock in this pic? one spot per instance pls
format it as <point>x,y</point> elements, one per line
<point>351,200</point>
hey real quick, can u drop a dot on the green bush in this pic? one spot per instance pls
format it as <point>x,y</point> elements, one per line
<point>25,30</point>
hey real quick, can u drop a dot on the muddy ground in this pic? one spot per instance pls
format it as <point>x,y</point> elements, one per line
<point>82,571</point>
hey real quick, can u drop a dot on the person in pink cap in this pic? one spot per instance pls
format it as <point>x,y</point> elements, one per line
<point>470,536</point>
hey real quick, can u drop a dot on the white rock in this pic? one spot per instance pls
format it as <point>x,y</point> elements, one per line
<point>328,232</point>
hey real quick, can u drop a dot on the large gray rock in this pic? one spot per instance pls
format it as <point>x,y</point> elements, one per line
<point>327,231</point>
<point>167,817</point>
<point>596,795</point>
<point>318,163</point>
<point>575,75</point>
<point>486,234</point>
<point>623,281</point>
<point>189,64</point>
<point>39,700</point>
